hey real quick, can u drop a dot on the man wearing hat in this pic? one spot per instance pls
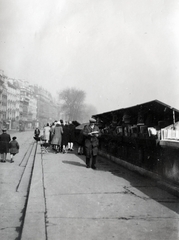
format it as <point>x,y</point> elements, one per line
<point>91,133</point>
<point>4,144</point>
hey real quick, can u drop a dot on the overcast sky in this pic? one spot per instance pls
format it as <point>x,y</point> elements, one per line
<point>120,52</point>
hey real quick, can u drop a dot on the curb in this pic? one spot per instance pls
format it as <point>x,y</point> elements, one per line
<point>34,222</point>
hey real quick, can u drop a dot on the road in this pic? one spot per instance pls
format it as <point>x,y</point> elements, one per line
<point>14,181</point>
<point>68,201</point>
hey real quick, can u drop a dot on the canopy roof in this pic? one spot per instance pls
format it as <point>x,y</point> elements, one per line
<point>158,108</point>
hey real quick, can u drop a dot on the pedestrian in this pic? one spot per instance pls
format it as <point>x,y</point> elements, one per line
<point>57,137</point>
<point>71,139</point>
<point>5,138</point>
<point>46,133</point>
<point>62,125</point>
<point>52,133</point>
<point>91,133</point>
<point>37,134</point>
<point>65,138</point>
<point>13,148</point>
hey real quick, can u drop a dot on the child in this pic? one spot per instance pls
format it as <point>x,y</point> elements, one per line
<point>13,148</point>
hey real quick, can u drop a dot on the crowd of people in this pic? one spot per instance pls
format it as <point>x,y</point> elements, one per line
<point>59,135</point>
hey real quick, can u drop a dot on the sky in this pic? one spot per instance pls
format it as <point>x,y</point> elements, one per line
<point>119,52</point>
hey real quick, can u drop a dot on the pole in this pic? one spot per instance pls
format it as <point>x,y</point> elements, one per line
<point>173,119</point>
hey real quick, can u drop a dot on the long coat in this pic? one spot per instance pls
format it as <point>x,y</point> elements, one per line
<point>4,142</point>
<point>57,137</point>
<point>13,147</point>
<point>71,128</point>
<point>91,142</point>
<point>46,132</point>
<point>65,137</point>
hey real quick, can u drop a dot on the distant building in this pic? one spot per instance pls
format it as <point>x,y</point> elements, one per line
<point>3,99</point>
<point>25,106</point>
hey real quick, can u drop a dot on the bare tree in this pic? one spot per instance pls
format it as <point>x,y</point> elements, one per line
<point>72,103</point>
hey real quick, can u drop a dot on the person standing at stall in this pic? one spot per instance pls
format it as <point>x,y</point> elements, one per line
<point>91,133</point>
<point>5,138</point>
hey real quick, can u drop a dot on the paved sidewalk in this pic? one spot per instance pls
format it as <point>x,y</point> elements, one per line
<point>70,202</point>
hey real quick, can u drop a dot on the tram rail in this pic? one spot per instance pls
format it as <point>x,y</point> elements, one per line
<point>28,159</point>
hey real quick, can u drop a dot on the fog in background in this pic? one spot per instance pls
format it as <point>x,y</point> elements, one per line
<point>120,52</point>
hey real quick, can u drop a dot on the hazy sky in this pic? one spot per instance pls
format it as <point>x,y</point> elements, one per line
<point>120,52</point>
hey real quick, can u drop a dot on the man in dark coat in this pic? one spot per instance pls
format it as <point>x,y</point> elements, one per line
<point>65,138</point>
<point>71,136</point>
<point>91,133</point>
<point>5,138</point>
<point>37,134</point>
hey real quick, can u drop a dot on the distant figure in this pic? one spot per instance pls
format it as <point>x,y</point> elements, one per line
<point>5,138</point>
<point>46,132</point>
<point>91,133</point>
<point>37,134</point>
<point>52,132</point>
<point>57,137</point>
<point>65,138</point>
<point>13,148</point>
<point>71,139</point>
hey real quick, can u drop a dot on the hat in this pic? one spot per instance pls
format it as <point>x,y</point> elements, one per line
<point>92,120</point>
<point>14,138</point>
<point>4,129</point>
<point>58,123</point>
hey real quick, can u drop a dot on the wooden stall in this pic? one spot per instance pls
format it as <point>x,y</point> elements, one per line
<point>134,134</point>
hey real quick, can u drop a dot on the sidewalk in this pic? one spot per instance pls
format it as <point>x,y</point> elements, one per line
<point>170,187</point>
<point>68,201</point>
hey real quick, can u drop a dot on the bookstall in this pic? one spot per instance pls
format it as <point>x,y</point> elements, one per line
<point>136,134</point>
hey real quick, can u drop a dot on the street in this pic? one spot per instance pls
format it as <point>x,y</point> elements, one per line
<point>68,201</point>
<point>14,181</point>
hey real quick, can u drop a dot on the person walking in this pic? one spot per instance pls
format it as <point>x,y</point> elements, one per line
<point>65,138</point>
<point>52,132</point>
<point>13,148</point>
<point>46,133</point>
<point>91,133</point>
<point>71,139</point>
<point>57,137</point>
<point>5,138</point>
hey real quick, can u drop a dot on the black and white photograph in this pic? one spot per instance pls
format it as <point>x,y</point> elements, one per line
<point>89,119</point>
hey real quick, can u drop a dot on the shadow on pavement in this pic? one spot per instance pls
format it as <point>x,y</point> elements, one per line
<point>144,184</point>
<point>74,163</point>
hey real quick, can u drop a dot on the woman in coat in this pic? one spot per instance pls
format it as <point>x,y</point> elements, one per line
<point>46,133</point>
<point>57,137</point>
<point>13,148</point>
